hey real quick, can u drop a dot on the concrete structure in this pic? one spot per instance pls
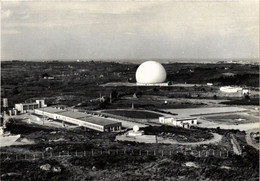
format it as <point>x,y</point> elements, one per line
<point>180,122</point>
<point>5,102</point>
<point>78,118</point>
<point>150,73</point>
<point>25,107</point>
<point>135,131</point>
<point>154,84</point>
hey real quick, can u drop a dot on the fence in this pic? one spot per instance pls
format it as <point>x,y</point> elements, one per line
<point>114,152</point>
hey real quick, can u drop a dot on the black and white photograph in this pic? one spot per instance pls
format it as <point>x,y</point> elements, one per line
<point>130,90</point>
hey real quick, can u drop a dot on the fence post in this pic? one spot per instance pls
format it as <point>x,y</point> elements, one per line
<point>154,152</point>
<point>220,153</point>
<point>147,153</point>
<point>76,153</point>
<point>162,152</point>
<point>84,153</point>
<point>199,153</point>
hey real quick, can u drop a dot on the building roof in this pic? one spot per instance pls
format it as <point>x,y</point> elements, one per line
<point>27,104</point>
<point>73,114</point>
<point>81,116</point>
<point>99,120</point>
<point>51,110</point>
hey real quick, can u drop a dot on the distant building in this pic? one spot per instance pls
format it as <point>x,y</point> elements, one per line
<point>81,119</point>
<point>25,107</point>
<point>230,89</point>
<point>179,122</point>
<point>245,91</point>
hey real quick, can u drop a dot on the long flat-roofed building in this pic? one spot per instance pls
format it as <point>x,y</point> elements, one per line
<point>81,119</point>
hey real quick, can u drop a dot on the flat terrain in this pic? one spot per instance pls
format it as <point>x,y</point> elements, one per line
<point>134,114</point>
<point>204,111</point>
<point>238,118</point>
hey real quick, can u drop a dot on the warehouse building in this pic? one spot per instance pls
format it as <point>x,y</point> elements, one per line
<point>180,122</point>
<point>78,118</point>
<point>25,107</point>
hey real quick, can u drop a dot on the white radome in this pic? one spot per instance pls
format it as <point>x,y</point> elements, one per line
<point>150,72</point>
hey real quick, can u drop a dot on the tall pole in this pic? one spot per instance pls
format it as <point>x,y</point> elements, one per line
<point>43,117</point>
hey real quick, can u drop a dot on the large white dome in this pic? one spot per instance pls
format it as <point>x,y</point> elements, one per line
<point>150,72</point>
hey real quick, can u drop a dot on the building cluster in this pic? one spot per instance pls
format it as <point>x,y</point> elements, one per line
<point>25,107</point>
<point>231,89</point>
<point>179,122</point>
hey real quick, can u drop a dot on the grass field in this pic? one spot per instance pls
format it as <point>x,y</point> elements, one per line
<point>134,114</point>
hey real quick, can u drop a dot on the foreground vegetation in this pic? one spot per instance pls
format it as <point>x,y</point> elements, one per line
<point>130,166</point>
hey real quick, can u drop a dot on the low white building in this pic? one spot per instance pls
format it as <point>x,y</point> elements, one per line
<point>79,118</point>
<point>25,107</point>
<point>230,89</point>
<point>180,122</point>
<point>245,91</point>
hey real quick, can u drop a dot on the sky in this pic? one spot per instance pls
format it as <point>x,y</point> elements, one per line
<point>129,30</point>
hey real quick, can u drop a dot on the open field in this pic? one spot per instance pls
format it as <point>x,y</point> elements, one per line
<point>136,114</point>
<point>238,118</point>
<point>205,111</point>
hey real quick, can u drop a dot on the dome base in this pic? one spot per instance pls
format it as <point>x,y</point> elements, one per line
<point>153,84</point>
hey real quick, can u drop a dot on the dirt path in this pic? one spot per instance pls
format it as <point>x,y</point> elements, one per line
<point>249,139</point>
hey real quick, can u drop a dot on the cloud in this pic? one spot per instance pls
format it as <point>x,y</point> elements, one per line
<point>131,29</point>
<point>6,13</point>
<point>9,32</point>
